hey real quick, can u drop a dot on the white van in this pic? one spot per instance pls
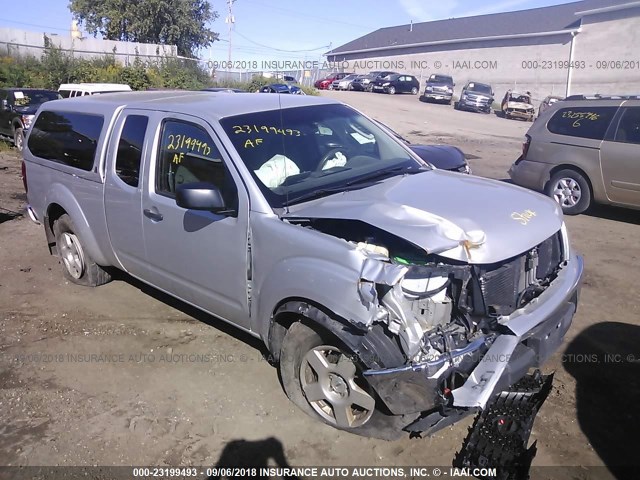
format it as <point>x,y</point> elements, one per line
<point>68,90</point>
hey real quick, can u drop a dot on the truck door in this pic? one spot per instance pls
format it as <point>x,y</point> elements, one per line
<point>620,159</point>
<point>199,256</point>
<point>123,190</point>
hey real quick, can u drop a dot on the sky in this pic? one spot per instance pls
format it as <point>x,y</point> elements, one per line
<point>283,30</point>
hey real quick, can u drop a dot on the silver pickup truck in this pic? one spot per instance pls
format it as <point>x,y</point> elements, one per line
<point>390,294</point>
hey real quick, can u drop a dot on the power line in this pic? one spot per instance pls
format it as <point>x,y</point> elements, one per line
<point>315,17</point>
<point>34,25</point>
<point>280,49</point>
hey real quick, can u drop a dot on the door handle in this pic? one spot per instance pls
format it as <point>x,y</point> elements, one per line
<point>153,214</point>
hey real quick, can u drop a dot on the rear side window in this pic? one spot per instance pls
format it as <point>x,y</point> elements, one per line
<point>70,138</point>
<point>64,93</point>
<point>583,122</point>
<point>130,149</point>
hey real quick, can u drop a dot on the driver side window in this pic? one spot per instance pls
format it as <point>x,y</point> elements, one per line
<point>188,155</point>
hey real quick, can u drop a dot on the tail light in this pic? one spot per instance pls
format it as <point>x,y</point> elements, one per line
<point>24,177</point>
<point>525,146</point>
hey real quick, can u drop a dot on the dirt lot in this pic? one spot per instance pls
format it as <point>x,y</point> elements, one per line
<point>103,376</point>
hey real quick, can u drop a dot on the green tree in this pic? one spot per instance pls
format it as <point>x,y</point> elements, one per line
<point>172,22</point>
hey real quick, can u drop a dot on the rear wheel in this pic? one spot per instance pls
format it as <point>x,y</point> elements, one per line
<point>77,266</point>
<point>414,91</point>
<point>324,379</point>
<point>18,139</point>
<point>571,190</point>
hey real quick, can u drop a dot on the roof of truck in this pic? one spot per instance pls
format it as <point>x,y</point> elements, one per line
<point>203,104</point>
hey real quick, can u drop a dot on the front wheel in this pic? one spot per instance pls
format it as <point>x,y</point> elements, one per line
<point>391,90</point>
<point>324,379</point>
<point>571,190</point>
<point>77,266</point>
<point>18,139</point>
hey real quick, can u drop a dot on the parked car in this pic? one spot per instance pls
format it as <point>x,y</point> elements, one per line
<point>475,96</point>
<point>396,83</point>
<point>281,88</point>
<point>327,83</point>
<point>344,83</point>
<point>68,90</point>
<point>388,295</point>
<point>584,151</point>
<point>366,81</point>
<point>223,89</point>
<point>439,88</point>
<point>547,102</point>
<point>444,157</point>
<point>518,105</point>
<point>17,108</point>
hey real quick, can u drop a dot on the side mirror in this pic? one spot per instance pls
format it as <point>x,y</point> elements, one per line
<point>453,85</point>
<point>200,196</point>
<point>5,105</point>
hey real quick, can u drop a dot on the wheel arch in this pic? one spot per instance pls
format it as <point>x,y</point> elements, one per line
<point>568,166</point>
<point>373,346</point>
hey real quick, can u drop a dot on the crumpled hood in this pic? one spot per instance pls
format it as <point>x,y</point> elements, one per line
<point>461,217</point>
<point>525,106</point>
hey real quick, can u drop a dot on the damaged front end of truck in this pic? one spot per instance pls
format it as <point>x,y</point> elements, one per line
<point>467,328</point>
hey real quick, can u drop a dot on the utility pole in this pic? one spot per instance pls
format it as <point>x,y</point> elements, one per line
<point>230,20</point>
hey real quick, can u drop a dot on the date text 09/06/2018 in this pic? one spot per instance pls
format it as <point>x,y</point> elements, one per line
<point>316,472</point>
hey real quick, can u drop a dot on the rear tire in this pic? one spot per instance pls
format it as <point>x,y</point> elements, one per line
<point>77,266</point>
<point>320,375</point>
<point>571,190</point>
<point>414,91</point>
<point>18,139</point>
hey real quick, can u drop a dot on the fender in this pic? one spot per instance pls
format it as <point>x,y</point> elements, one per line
<point>60,194</point>
<point>333,286</point>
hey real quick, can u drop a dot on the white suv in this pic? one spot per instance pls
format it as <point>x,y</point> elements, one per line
<point>68,90</point>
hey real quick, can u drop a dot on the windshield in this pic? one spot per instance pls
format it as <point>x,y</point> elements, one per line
<point>30,98</point>
<point>480,88</point>
<point>294,152</point>
<point>440,79</point>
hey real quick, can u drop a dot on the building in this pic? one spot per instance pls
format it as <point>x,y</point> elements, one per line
<point>580,47</point>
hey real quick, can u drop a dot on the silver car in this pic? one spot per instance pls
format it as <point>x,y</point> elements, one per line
<point>387,301</point>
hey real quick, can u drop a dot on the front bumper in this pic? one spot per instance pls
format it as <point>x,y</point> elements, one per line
<point>438,95</point>
<point>532,334</point>
<point>473,105</point>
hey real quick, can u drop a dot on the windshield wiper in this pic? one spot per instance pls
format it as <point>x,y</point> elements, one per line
<point>356,183</point>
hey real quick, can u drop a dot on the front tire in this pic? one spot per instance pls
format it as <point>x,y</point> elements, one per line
<point>391,90</point>
<point>77,266</point>
<point>18,139</point>
<point>571,190</point>
<point>320,375</point>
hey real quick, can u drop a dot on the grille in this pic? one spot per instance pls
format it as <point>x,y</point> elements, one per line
<point>502,284</point>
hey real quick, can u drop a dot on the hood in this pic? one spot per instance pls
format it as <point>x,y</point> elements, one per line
<point>438,84</point>
<point>444,157</point>
<point>460,217</point>
<point>522,105</point>
<point>27,110</point>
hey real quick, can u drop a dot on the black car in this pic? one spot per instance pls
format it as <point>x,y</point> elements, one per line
<point>443,157</point>
<point>477,97</point>
<point>17,109</point>
<point>223,89</point>
<point>281,88</point>
<point>439,88</point>
<point>396,83</point>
